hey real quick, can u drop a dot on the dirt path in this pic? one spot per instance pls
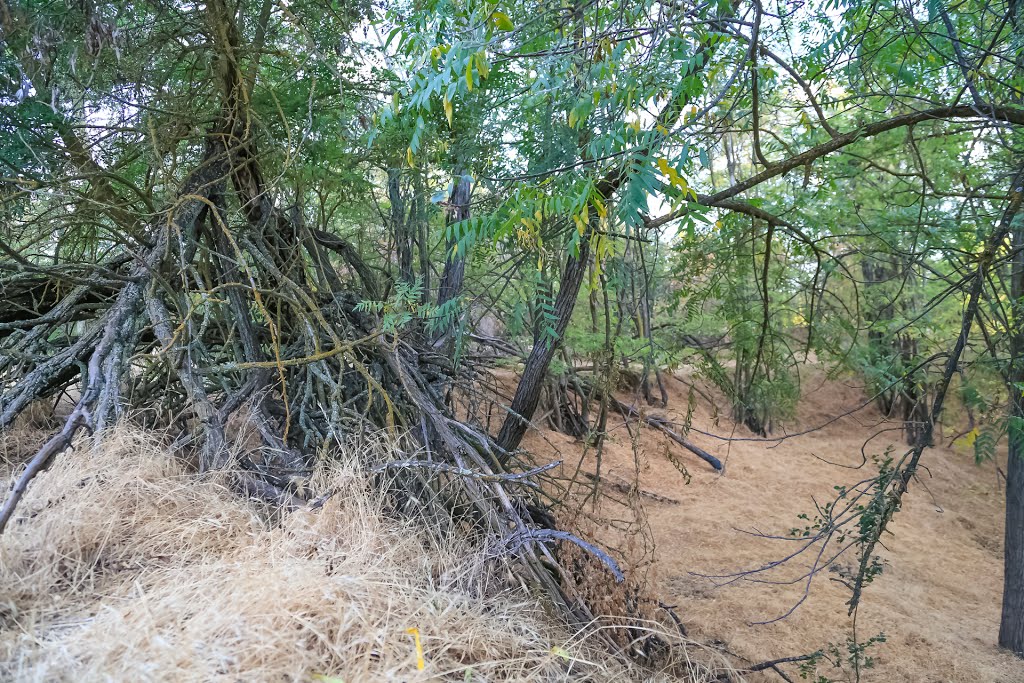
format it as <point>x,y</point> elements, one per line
<point>937,599</point>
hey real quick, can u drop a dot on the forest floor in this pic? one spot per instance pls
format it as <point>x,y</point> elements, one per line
<point>99,582</point>
<point>938,598</point>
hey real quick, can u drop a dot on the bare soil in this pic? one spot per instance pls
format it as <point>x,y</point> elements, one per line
<point>938,598</point>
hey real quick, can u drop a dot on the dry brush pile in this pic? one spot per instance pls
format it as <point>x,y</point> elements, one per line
<point>125,566</point>
<point>222,302</point>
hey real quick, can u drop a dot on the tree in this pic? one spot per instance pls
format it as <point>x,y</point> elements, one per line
<point>1011,624</point>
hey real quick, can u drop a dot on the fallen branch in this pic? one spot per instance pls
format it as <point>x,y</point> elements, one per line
<point>515,477</point>
<point>658,423</point>
<point>774,666</point>
<point>623,487</point>
<point>254,487</point>
<point>520,538</point>
<point>465,472</point>
<point>58,443</point>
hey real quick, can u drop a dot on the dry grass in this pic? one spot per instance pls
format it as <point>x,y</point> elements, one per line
<point>120,566</point>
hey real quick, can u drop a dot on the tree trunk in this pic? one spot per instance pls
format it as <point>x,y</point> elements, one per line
<point>543,297</point>
<point>592,298</point>
<point>874,275</point>
<point>1011,624</point>
<point>646,314</point>
<point>524,403</point>
<point>419,228</point>
<point>455,263</point>
<point>401,227</point>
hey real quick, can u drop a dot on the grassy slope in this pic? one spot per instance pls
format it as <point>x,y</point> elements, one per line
<point>124,568</point>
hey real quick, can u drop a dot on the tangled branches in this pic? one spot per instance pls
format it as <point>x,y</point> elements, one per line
<point>232,303</point>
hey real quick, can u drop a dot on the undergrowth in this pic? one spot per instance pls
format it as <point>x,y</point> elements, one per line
<point>123,566</point>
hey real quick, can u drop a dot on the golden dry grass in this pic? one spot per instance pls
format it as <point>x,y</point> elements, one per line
<point>120,566</point>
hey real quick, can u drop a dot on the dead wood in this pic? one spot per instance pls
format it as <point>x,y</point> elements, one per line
<point>203,317</point>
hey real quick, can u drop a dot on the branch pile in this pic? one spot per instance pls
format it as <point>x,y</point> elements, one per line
<point>235,306</point>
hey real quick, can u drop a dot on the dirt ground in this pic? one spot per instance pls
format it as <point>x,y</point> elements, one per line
<point>938,598</point>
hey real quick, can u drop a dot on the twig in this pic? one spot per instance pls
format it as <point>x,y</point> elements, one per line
<point>774,665</point>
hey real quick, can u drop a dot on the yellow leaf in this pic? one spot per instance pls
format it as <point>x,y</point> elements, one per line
<point>502,21</point>
<point>481,65</point>
<point>448,110</point>
<point>561,652</point>
<point>580,226</point>
<point>572,119</point>
<point>673,177</point>
<point>408,156</point>
<point>469,76</point>
<point>969,438</point>
<point>415,633</point>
